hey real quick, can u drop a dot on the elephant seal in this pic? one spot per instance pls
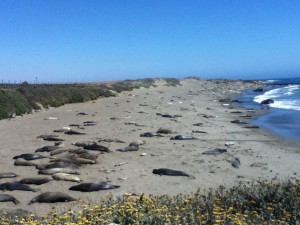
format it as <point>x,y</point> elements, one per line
<point>22,162</point>
<point>236,163</point>
<point>169,172</point>
<point>238,122</point>
<point>8,175</point>
<point>57,170</point>
<point>129,148</point>
<point>66,177</point>
<point>47,148</point>
<point>51,197</point>
<point>181,137</point>
<point>29,156</point>
<point>216,151</point>
<point>10,186</point>
<point>35,180</point>
<point>59,164</point>
<point>137,143</point>
<point>74,132</point>
<point>49,138</point>
<point>8,198</point>
<point>151,134</point>
<point>88,187</point>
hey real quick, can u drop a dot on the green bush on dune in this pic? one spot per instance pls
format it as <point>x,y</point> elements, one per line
<point>24,98</point>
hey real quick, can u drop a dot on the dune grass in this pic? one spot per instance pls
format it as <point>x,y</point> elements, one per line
<point>23,98</point>
<point>256,203</point>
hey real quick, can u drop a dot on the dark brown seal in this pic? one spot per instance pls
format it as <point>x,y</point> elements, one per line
<point>51,197</point>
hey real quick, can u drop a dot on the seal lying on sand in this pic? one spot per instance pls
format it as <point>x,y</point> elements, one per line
<point>169,172</point>
<point>238,122</point>
<point>59,164</point>
<point>128,149</point>
<point>92,146</point>
<point>22,162</point>
<point>216,151</point>
<point>35,180</point>
<point>236,163</point>
<point>8,175</point>
<point>29,156</point>
<point>57,170</point>
<point>88,187</point>
<point>11,186</point>
<point>66,177</point>
<point>47,148</point>
<point>8,198</point>
<point>51,197</point>
<point>181,137</point>
<point>74,132</point>
<point>151,134</point>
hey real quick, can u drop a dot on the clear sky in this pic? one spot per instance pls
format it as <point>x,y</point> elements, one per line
<point>85,40</point>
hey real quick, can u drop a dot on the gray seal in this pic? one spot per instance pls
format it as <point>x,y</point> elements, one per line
<point>47,148</point>
<point>59,164</point>
<point>169,172</point>
<point>51,197</point>
<point>11,186</point>
<point>57,170</point>
<point>8,198</point>
<point>35,180</point>
<point>88,187</point>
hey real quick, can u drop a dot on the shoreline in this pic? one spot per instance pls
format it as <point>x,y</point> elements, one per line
<point>197,101</point>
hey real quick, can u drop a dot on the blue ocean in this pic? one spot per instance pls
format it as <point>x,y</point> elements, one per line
<point>283,115</point>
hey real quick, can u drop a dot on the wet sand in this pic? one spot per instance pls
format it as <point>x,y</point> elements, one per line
<point>263,155</point>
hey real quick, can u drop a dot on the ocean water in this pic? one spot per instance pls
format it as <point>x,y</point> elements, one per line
<point>284,114</point>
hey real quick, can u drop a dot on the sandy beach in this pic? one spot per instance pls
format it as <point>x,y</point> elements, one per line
<point>198,113</point>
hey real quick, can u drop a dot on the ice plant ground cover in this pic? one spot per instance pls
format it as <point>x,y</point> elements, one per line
<point>256,203</point>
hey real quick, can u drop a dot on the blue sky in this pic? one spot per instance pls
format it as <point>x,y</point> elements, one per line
<point>61,40</point>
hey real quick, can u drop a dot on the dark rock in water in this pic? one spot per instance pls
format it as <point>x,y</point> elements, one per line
<point>88,187</point>
<point>11,186</point>
<point>236,163</point>
<point>169,172</point>
<point>29,156</point>
<point>181,137</point>
<point>267,101</point>
<point>237,101</point>
<point>252,127</point>
<point>259,89</point>
<point>216,151</point>
<point>129,148</point>
<point>238,122</point>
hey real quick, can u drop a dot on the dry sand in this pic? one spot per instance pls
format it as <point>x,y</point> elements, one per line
<point>263,155</point>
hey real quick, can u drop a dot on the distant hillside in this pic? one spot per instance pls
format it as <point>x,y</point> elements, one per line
<point>23,98</point>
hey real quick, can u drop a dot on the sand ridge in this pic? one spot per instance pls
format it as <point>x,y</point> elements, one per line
<point>263,155</point>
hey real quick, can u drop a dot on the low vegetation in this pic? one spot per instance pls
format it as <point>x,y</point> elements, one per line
<point>23,98</point>
<point>257,203</point>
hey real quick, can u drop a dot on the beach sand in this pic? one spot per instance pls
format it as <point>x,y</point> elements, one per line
<point>263,155</point>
